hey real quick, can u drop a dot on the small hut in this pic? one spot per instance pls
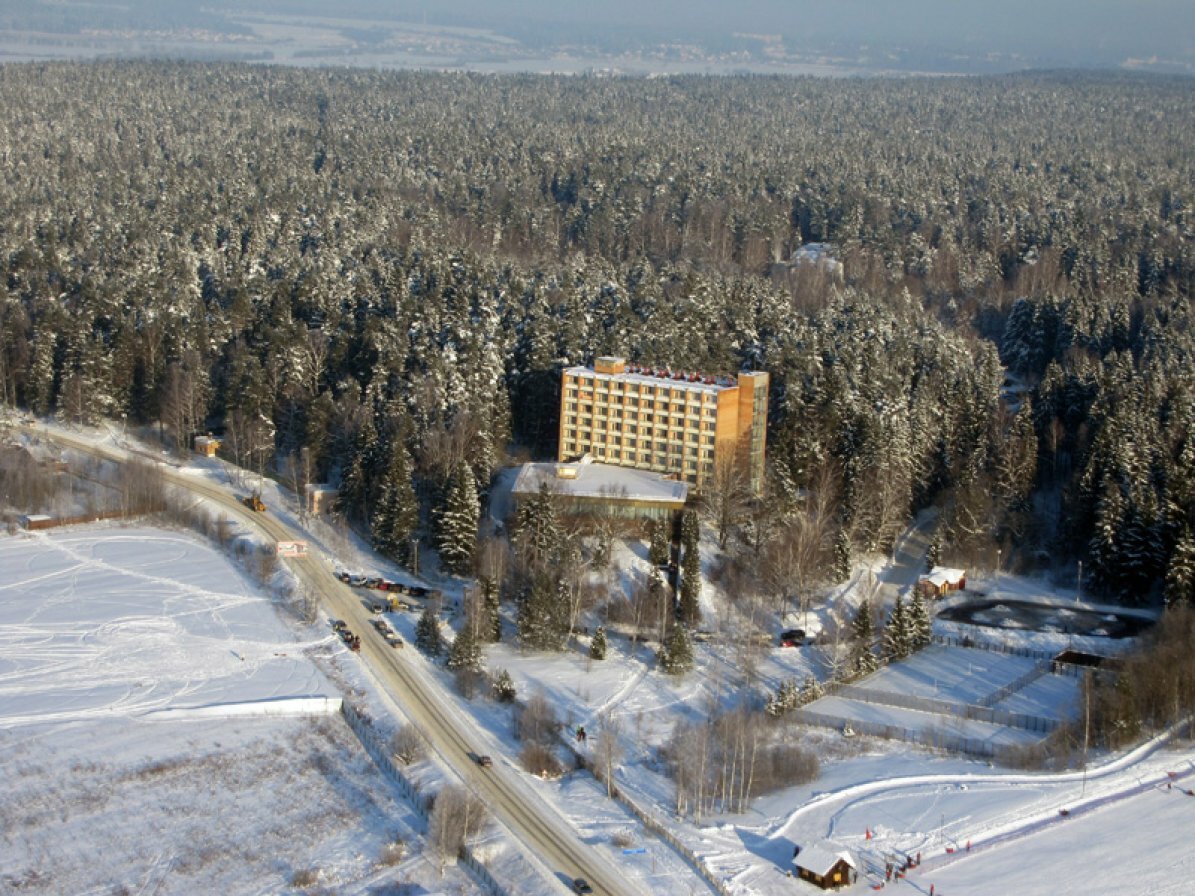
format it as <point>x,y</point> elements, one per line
<point>940,581</point>
<point>321,497</point>
<point>824,866</point>
<point>206,445</point>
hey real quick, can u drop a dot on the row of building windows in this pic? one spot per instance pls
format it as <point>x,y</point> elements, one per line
<point>632,450</point>
<point>634,433</point>
<point>663,410</point>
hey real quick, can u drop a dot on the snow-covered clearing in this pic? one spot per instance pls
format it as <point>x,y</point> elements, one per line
<point>141,745</point>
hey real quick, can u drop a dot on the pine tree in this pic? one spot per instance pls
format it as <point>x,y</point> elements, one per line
<point>785,700</point>
<point>933,553</point>
<point>597,647</point>
<point>504,688</point>
<point>397,511</point>
<point>812,690</point>
<point>920,624</point>
<point>543,618</point>
<point>690,587</point>
<point>863,660</point>
<point>658,549</point>
<point>897,637</point>
<point>491,627</point>
<point>458,521</point>
<point>676,657</point>
<point>465,653</point>
<point>538,529</point>
<point>1180,572</point>
<point>427,633</point>
<point>690,530</point>
<point>355,498</point>
<point>842,556</point>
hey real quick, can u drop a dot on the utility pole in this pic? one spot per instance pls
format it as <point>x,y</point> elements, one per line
<point>1079,583</point>
<point>1086,724</point>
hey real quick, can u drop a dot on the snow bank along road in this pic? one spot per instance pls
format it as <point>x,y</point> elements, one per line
<point>531,819</point>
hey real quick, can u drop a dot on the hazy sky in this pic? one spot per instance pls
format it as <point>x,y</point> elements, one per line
<point>1022,33</point>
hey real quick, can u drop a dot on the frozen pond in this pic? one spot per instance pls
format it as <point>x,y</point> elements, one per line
<point>1028,616</point>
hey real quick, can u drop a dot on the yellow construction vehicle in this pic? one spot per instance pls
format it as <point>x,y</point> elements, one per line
<point>254,502</point>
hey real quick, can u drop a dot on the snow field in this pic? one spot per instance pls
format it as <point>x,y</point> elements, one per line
<point>162,730</point>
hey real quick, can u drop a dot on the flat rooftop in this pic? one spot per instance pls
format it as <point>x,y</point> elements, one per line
<point>605,481</point>
<point>658,377</point>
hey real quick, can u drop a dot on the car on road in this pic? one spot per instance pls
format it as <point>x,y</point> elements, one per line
<point>485,761</point>
<point>393,640</point>
<point>339,625</point>
<point>581,885</point>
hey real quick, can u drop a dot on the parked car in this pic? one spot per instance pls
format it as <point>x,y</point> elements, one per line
<point>581,885</point>
<point>339,625</point>
<point>793,637</point>
<point>393,640</point>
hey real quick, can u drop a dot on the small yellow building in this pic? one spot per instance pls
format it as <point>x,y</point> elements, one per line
<point>206,445</point>
<point>320,498</point>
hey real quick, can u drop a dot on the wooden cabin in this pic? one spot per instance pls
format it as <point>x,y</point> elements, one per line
<point>940,581</point>
<point>206,445</point>
<point>824,867</point>
<point>321,498</point>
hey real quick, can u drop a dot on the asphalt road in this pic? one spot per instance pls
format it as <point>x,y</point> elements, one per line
<point>427,703</point>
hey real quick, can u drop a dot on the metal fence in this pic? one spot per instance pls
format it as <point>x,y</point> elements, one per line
<point>655,824</point>
<point>955,641</point>
<point>1024,721</point>
<point>1040,668</point>
<point>930,737</point>
<point>375,745</point>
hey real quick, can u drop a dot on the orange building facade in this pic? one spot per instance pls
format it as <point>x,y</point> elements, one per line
<point>679,424</point>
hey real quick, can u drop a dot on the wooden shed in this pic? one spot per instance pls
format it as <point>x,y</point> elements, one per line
<point>824,866</point>
<point>206,445</point>
<point>321,497</point>
<point>940,581</point>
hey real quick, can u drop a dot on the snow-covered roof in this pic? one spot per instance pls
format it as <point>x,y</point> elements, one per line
<point>593,480</point>
<point>815,252</point>
<point>944,575</point>
<point>660,377</point>
<point>820,859</point>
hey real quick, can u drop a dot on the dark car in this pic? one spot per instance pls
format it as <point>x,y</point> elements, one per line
<point>581,885</point>
<point>485,761</point>
<point>793,637</point>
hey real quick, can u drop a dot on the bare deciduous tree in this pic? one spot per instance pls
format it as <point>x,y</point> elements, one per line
<point>456,815</point>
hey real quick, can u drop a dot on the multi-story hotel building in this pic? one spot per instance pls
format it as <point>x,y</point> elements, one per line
<point>679,424</point>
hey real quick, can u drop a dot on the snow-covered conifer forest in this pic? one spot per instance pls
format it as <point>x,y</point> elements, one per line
<point>378,274</point>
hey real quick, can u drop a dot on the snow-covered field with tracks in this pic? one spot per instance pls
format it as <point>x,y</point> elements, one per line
<point>163,731</point>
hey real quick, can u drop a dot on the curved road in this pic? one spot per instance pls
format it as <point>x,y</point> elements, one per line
<point>528,817</point>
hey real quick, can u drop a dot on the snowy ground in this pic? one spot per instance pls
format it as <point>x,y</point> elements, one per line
<point>161,730</point>
<point>906,798</point>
